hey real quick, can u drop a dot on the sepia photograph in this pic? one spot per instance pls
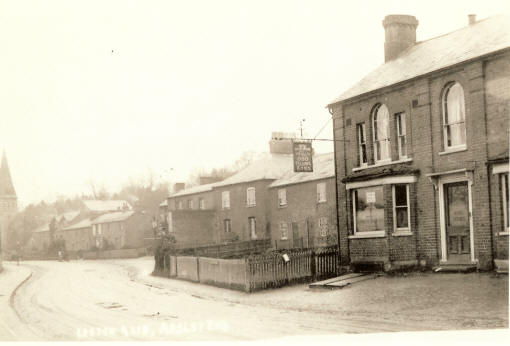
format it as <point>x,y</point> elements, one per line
<point>282,172</point>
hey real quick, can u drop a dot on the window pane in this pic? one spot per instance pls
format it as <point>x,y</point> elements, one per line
<point>402,218</point>
<point>454,115</point>
<point>400,195</point>
<point>369,209</point>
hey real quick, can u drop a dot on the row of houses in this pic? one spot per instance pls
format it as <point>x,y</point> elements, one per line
<point>420,163</point>
<point>265,200</point>
<point>101,225</point>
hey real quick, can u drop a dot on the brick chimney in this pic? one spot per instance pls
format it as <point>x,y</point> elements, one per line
<point>281,143</point>
<point>178,187</point>
<point>400,34</point>
<point>471,19</point>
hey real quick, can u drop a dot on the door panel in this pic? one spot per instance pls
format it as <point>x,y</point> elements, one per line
<point>456,201</point>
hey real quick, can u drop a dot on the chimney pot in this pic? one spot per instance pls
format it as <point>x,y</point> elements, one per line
<point>472,19</point>
<point>400,34</point>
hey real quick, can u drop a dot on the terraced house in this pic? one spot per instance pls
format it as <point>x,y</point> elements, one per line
<point>422,156</point>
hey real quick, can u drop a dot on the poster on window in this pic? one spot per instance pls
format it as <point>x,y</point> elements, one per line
<point>303,157</point>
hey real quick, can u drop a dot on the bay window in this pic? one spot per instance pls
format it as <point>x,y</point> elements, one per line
<point>368,210</point>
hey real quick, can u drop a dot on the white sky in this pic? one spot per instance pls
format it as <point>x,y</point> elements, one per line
<point>189,84</point>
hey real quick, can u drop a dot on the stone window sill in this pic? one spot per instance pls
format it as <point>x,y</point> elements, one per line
<point>504,233</point>
<point>453,150</point>
<point>251,205</point>
<point>282,206</point>
<point>402,233</point>
<point>362,235</point>
<point>385,163</point>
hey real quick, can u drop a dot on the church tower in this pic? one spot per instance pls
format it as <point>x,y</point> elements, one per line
<point>8,201</point>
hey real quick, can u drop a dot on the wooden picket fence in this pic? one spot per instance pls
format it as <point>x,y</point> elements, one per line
<point>255,272</point>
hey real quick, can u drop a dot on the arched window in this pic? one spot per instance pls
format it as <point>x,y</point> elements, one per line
<point>454,117</point>
<point>381,133</point>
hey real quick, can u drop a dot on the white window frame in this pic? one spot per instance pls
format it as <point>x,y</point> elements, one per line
<point>321,193</point>
<point>201,203</point>
<point>225,200</point>
<point>179,205</point>
<point>401,134</point>
<point>190,204</point>
<point>99,230</point>
<point>250,197</point>
<point>227,226</point>
<point>458,147</point>
<point>362,142</point>
<point>282,197</point>
<point>374,135</point>
<point>401,230</point>
<point>94,230</point>
<point>370,234</point>
<point>284,230</point>
<point>504,189</point>
<point>323,226</point>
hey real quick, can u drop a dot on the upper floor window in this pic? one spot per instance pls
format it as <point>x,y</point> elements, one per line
<point>454,117</point>
<point>381,131</point>
<point>190,204</point>
<point>179,205</point>
<point>225,200</point>
<point>321,192</point>
<point>282,197</point>
<point>400,119</point>
<point>201,203</point>
<point>250,197</point>
<point>362,144</point>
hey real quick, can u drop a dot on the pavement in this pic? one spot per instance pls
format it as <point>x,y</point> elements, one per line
<point>120,300</point>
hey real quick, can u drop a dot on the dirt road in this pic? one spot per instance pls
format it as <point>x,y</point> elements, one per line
<point>118,300</point>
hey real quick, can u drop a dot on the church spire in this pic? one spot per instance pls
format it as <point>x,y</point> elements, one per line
<point>6,186</point>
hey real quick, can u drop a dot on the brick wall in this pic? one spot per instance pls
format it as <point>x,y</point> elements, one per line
<point>486,87</point>
<point>303,211</point>
<point>136,228</point>
<point>193,227</point>
<point>207,196</point>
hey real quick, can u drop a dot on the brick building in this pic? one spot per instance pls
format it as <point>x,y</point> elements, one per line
<point>121,229</point>
<point>303,206</point>
<point>422,156</point>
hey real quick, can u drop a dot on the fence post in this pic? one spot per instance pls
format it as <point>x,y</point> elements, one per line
<point>312,264</point>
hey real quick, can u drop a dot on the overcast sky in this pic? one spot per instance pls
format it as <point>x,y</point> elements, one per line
<point>108,90</point>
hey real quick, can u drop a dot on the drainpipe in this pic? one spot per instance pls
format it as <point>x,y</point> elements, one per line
<point>336,193</point>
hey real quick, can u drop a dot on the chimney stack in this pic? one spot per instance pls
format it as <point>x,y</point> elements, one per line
<point>178,187</point>
<point>281,143</point>
<point>472,19</point>
<point>400,34</point>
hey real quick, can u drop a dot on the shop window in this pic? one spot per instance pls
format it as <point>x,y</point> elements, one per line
<point>400,119</point>
<point>225,200</point>
<point>368,210</point>
<point>401,215</point>
<point>250,197</point>
<point>362,145</point>
<point>282,197</point>
<point>454,117</point>
<point>381,133</point>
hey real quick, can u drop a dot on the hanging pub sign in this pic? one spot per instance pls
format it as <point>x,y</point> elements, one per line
<point>302,156</point>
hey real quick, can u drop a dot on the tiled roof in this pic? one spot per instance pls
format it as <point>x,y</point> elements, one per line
<point>82,224</point>
<point>113,217</point>
<point>104,206</point>
<point>270,166</point>
<point>323,167</point>
<point>194,189</point>
<point>479,39</point>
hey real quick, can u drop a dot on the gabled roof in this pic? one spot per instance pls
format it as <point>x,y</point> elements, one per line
<point>323,167</point>
<point>6,186</point>
<point>82,224</point>
<point>105,206</point>
<point>270,166</point>
<point>113,217</point>
<point>194,189</point>
<point>481,38</point>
